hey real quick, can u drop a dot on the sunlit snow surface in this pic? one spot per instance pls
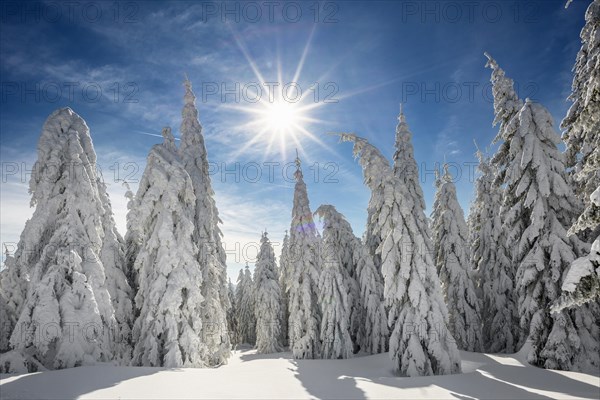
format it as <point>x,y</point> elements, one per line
<point>278,376</point>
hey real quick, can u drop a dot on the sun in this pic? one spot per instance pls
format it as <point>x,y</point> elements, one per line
<point>278,121</point>
<point>273,119</point>
<point>282,117</point>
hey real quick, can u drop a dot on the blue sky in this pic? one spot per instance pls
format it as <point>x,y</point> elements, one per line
<point>121,66</point>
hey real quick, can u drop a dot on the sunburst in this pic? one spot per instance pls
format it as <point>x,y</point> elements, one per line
<point>276,118</point>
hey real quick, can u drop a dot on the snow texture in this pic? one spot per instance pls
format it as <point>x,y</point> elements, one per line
<point>486,376</point>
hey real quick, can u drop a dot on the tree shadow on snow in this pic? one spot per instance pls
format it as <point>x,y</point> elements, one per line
<point>70,383</point>
<point>493,380</point>
<point>269,356</point>
<point>535,378</point>
<point>483,378</point>
<point>325,379</point>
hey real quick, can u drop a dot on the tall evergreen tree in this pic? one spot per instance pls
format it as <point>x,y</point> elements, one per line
<point>406,170</point>
<point>11,286</point>
<point>244,298</point>
<point>373,333</point>
<point>207,233</point>
<point>581,282</point>
<point>368,319</point>
<point>538,207</point>
<point>582,123</point>
<point>338,290</point>
<point>61,294</point>
<point>133,240</point>
<point>112,255</point>
<point>231,315</point>
<point>169,330</point>
<point>582,138</point>
<point>451,255</point>
<point>498,308</point>
<point>12,291</point>
<point>305,315</point>
<point>420,343</point>
<point>506,106</point>
<point>405,165</point>
<point>267,299</point>
<point>284,283</point>
<point>238,335</point>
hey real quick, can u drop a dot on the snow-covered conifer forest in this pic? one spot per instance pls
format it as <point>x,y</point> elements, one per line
<point>502,299</point>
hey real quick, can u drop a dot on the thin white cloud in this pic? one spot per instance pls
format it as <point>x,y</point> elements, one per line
<point>447,141</point>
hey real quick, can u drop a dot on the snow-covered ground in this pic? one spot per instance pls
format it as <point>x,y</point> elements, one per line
<point>277,376</point>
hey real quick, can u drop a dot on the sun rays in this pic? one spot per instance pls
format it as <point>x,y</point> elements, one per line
<point>279,112</point>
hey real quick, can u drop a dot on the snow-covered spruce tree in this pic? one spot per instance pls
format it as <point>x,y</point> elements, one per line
<point>373,334</point>
<point>405,166</point>
<point>132,240</point>
<point>498,308</point>
<point>364,283</point>
<point>284,284</point>
<point>238,334</point>
<point>474,223</point>
<point>169,330</point>
<point>345,244</point>
<point>506,107</point>
<point>582,123</point>
<point>420,343</point>
<point>451,255</point>
<point>406,170</point>
<point>12,291</point>
<point>267,299</point>
<point>540,206</point>
<point>8,324</point>
<point>207,233</point>
<point>244,298</point>
<point>581,283</point>
<point>112,255</point>
<point>67,316</point>
<point>338,290</point>
<point>305,314</point>
<point>582,138</point>
<point>250,306</point>
<point>231,315</point>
